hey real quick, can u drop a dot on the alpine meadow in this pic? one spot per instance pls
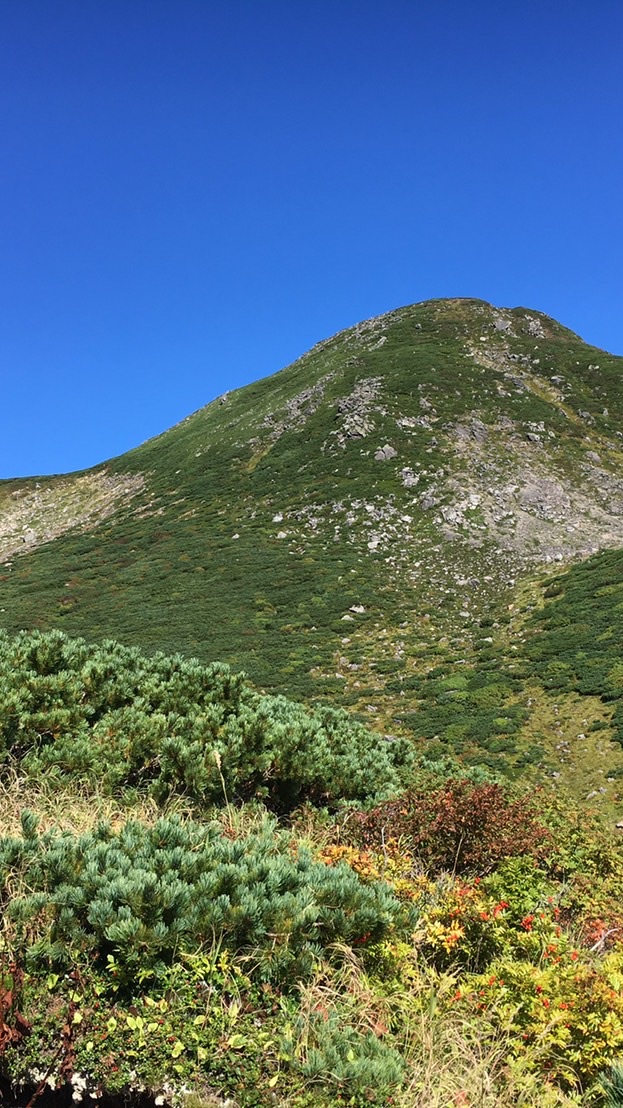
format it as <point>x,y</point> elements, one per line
<point>311,737</point>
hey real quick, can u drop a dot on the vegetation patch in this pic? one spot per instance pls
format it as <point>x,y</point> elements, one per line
<point>164,725</point>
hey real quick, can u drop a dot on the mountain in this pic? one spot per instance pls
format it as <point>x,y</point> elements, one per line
<point>396,523</point>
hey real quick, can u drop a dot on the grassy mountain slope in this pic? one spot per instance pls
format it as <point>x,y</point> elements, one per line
<point>342,529</point>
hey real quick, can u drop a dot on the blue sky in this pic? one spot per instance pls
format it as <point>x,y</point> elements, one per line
<point>193,193</point>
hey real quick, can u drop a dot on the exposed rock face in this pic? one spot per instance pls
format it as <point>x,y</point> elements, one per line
<point>356,411</point>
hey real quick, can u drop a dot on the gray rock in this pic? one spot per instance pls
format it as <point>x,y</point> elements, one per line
<point>385,453</point>
<point>452,515</point>
<point>478,430</point>
<point>357,426</point>
<point>409,478</point>
<point>534,327</point>
<point>471,430</point>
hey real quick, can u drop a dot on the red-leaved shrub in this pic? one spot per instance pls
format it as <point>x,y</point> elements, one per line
<point>460,827</point>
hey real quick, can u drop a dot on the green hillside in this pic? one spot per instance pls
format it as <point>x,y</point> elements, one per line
<point>342,529</point>
<point>187,551</point>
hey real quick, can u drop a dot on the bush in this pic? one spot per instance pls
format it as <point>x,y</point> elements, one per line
<point>169,725</point>
<point>461,827</point>
<point>142,895</point>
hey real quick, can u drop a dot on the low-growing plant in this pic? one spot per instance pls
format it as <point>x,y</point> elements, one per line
<point>144,894</point>
<point>460,827</point>
<point>166,726</point>
<point>612,1084</point>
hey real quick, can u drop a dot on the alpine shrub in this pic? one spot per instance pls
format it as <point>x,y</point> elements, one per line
<point>461,827</point>
<point>170,725</point>
<point>143,894</point>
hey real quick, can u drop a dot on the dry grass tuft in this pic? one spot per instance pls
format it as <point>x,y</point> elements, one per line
<point>72,808</point>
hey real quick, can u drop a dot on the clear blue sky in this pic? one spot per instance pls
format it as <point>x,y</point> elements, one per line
<point>192,193</point>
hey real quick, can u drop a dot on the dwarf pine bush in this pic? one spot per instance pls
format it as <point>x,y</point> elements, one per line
<point>344,1057</point>
<point>144,894</point>
<point>167,725</point>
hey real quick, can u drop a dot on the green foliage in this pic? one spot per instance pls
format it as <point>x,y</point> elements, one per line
<point>169,725</point>
<point>612,1083</point>
<point>142,895</point>
<point>363,1065</point>
<point>471,714</point>
<point>577,644</point>
<point>574,1009</point>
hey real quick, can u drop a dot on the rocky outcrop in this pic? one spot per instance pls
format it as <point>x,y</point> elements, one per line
<point>355,412</point>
